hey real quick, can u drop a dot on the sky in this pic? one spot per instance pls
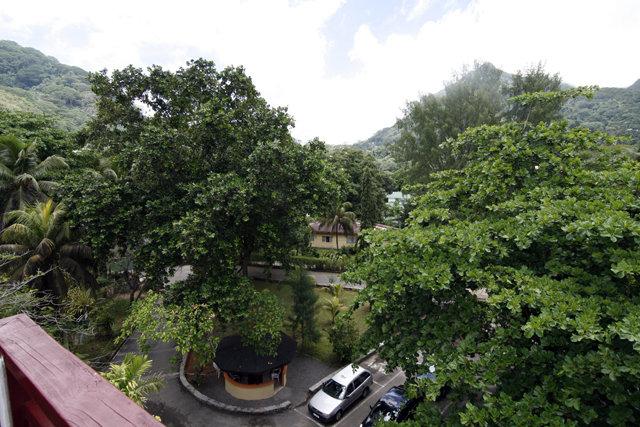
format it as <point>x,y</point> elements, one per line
<point>344,68</point>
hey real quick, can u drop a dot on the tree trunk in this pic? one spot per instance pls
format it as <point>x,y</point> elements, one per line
<point>246,252</point>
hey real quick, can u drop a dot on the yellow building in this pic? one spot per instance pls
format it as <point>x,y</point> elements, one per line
<point>324,237</point>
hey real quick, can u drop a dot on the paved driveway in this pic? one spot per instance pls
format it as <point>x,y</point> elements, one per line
<point>178,408</point>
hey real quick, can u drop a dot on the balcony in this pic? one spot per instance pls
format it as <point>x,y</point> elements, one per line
<point>49,386</point>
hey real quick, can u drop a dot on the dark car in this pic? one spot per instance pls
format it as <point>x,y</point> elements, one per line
<point>393,406</point>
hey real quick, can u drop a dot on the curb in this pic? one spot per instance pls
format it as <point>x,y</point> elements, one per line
<point>223,406</point>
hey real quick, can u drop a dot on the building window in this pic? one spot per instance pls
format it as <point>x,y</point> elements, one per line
<point>351,240</point>
<point>312,238</point>
<point>327,239</point>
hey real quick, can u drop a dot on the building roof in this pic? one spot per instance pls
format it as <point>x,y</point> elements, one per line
<point>233,356</point>
<point>356,229</point>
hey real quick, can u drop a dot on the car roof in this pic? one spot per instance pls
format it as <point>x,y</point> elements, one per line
<point>394,397</point>
<point>347,374</point>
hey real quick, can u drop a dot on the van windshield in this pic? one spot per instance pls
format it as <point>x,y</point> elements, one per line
<point>333,389</point>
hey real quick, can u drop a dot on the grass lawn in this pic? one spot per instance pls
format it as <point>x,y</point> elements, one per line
<point>322,350</point>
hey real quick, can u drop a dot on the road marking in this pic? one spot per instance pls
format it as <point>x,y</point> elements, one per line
<point>446,407</point>
<point>351,409</point>
<point>309,417</point>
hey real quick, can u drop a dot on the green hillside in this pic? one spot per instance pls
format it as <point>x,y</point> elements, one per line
<point>31,81</point>
<point>615,111</point>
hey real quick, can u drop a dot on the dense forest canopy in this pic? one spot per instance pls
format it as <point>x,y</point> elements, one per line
<point>615,111</point>
<point>34,82</point>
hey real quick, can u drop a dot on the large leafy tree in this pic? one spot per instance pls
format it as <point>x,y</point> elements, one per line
<point>22,174</point>
<point>354,162</point>
<point>209,174</point>
<point>551,236</point>
<point>209,168</point>
<point>534,79</point>
<point>471,99</point>
<point>41,241</point>
<point>372,199</point>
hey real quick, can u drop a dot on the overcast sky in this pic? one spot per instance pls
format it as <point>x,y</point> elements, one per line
<point>345,68</point>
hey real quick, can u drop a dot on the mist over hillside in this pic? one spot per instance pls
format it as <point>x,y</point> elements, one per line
<point>615,111</point>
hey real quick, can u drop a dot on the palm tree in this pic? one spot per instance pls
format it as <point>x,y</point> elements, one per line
<point>41,241</point>
<point>127,377</point>
<point>21,173</point>
<point>339,218</point>
<point>335,307</point>
<point>104,171</point>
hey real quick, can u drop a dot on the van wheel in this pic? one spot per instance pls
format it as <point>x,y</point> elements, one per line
<point>365,393</point>
<point>338,416</point>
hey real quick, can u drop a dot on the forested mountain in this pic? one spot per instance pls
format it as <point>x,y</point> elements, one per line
<point>32,81</point>
<point>615,111</point>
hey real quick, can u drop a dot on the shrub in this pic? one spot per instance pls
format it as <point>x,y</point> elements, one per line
<point>344,337</point>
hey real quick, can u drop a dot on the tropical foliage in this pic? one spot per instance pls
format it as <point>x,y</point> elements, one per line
<point>471,99</point>
<point>212,173</point>
<point>21,173</point>
<point>339,219</point>
<point>41,241</point>
<point>129,377</point>
<point>615,111</point>
<point>551,236</point>
<point>303,320</point>
<point>181,317</point>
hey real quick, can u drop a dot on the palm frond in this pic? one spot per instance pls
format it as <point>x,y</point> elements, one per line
<point>94,174</point>
<point>45,248</point>
<point>10,147</point>
<point>77,251</point>
<point>57,283</point>
<point>127,377</point>
<point>51,163</point>
<point>63,234</point>
<point>72,267</point>
<point>26,160</point>
<point>28,181</point>
<point>152,384</point>
<point>47,186</point>
<point>33,264</point>
<point>17,273</point>
<point>19,234</point>
<point>78,272</point>
<point>6,174</point>
<point>109,174</point>
<point>14,249</point>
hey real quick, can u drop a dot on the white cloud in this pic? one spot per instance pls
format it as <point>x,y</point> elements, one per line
<point>282,47</point>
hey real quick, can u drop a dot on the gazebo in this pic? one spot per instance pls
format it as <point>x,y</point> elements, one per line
<point>251,376</point>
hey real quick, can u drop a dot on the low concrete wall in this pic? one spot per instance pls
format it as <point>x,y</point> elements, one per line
<point>248,391</point>
<point>223,406</point>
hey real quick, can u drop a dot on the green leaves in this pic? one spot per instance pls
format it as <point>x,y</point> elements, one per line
<point>551,236</point>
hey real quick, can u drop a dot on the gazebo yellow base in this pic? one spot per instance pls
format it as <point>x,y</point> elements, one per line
<point>248,391</point>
